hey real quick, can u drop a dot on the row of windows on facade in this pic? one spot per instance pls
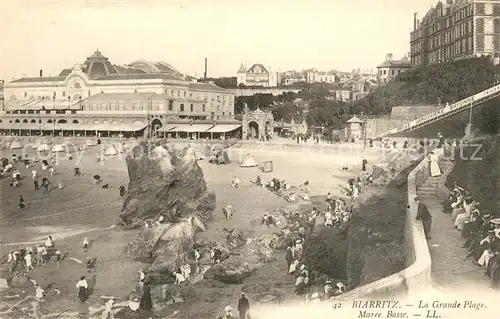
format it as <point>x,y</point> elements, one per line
<point>135,106</point>
<point>198,96</point>
<point>393,72</point>
<point>448,35</point>
<point>457,47</point>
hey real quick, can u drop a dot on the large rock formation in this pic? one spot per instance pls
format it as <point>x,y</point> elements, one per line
<point>166,246</point>
<point>166,181</point>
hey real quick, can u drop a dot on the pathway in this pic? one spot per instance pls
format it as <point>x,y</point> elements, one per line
<point>449,269</point>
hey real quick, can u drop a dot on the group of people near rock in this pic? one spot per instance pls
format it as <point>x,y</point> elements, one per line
<point>480,230</point>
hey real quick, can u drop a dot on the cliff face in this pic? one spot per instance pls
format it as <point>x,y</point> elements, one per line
<point>166,181</point>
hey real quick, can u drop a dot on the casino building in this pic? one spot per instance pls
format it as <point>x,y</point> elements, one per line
<point>104,99</point>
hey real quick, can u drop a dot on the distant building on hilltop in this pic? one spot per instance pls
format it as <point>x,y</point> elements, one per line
<point>314,76</point>
<point>454,30</point>
<point>391,68</point>
<point>257,75</point>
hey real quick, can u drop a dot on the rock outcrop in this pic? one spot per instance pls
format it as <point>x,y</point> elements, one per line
<point>166,246</point>
<point>166,181</point>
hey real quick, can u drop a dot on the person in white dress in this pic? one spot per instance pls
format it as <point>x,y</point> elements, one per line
<point>179,278</point>
<point>29,262</point>
<point>39,292</point>
<point>469,206</point>
<point>434,166</point>
<point>328,219</point>
<point>48,242</point>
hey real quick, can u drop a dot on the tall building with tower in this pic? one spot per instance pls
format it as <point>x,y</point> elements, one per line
<point>456,30</point>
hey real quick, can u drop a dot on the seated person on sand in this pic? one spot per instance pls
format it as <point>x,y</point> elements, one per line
<point>235,182</point>
<point>291,197</point>
<point>258,181</point>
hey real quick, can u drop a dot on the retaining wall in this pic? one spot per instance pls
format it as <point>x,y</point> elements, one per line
<point>417,275</point>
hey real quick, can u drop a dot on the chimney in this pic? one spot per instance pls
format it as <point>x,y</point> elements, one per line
<point>41,73</point>
<point>388,57</point>
<point>415,21</point>
<point>205,74</point>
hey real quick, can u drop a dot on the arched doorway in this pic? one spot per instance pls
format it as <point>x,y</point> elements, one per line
<point>253,129</point>
<point>75,122</point>
<point>33,121</point>
<point>155,126</point>
<point>25,121</point>
<point>62,122</point>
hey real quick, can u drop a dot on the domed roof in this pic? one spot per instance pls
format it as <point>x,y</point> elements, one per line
<point>154,67</point>
<point>97,65</point>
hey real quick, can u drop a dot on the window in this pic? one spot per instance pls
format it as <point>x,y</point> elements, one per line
<point>190,95</point>
<point>218,107</point>
<point>185,93</point>
<point>25,94</point>
<point>203,107</point>
<point>170,105</point>
<point>182,107</point>
<point>192,108</point>
<point>64,94</point>
<point>178,93</point>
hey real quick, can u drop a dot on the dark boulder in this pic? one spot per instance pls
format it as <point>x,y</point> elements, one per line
<point>167,181</point>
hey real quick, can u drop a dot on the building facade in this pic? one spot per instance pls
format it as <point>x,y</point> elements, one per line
<point>100,96</point>
<point>391,68</point>
<point>257,75</point>
<point>454,30</point>
<point>315,76</point>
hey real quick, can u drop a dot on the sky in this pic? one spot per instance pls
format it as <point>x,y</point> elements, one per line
<point>281,34</point>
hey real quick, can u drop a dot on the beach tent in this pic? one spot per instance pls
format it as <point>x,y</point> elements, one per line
<point>110,150</point>
<point>57,148</point>
<point>249,161</point>
<point>14,145</point>
<point>91,142</point>
<point>43,148</point>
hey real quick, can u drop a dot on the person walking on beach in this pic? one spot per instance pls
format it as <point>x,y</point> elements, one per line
<point>35,183</point>
<point>243,307</point>
<point>22,203</point>
<point>425,216</point>
<point>82,289</point>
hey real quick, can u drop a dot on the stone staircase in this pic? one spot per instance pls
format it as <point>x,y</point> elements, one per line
<point>430,189</point>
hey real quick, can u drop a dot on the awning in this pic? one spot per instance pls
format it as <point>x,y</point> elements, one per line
<point>116,127</point>
<point>223,128</point>
<point>167,128</point>
<point>188,128</point>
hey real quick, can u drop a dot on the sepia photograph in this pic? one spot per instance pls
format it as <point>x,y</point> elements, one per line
<point>217,159</point>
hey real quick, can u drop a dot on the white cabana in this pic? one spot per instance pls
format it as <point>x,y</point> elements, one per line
<point>14,145</point>
<point>57,148</point>
<point>110,150</point>
<point>43,148</point>
<point>249,161</point>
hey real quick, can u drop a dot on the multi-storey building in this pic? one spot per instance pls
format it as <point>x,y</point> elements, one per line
<point>456,30</point>
<point>314,76</point>
<point>98,96</point>
<point>391,68</point>
<point>257,75</point>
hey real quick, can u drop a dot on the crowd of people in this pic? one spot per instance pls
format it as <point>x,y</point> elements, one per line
<point>481,232</point>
